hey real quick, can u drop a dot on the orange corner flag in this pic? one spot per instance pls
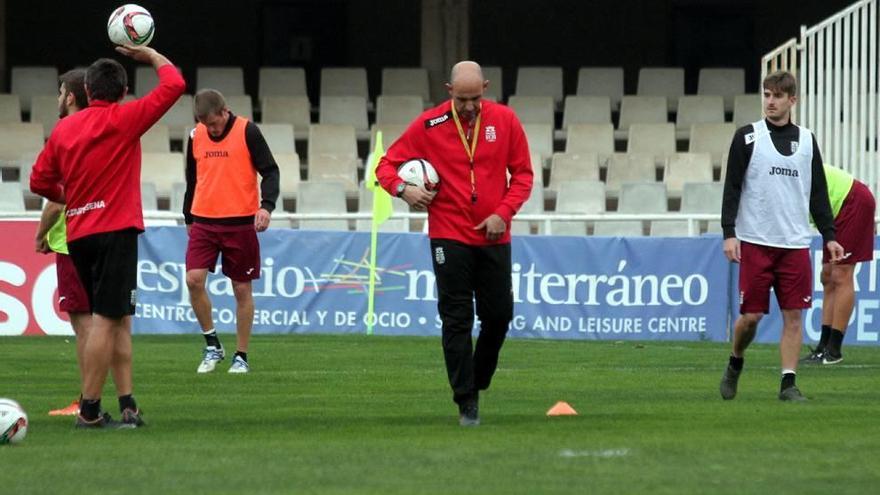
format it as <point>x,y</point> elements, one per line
<point>562,408</point>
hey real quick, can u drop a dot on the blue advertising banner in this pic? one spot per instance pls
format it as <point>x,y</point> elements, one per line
<point>564,287</point>
<point>864,325</point>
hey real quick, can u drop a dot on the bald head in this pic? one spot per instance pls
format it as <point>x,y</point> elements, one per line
<point>466,86</point>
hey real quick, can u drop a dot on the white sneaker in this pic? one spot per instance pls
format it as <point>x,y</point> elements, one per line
<point>239,365</point>
<point>210,357</point>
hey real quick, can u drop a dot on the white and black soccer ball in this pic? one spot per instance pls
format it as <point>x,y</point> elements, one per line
<point>13,422</point>
<point>131,25</point>
<point>419,172</point>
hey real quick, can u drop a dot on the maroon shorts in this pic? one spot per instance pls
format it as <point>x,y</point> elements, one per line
<point>786,270</point>
<point>72,297</point>
<point>237,243</point>
<point>855,226</point>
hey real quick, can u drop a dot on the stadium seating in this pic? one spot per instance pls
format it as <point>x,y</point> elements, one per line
<point>656,139</point>
<point>399,110</point>
<point>586,110</point>
<point>178,191</point>
<point>11,197</point>
<point>179,117</point>
<point>289,171</point>
<point>697,110</point>
<point>629,167</point>
<point>44,111</point>
<point>365,205</point>
<point>227,80</point>
<point>636,197</point>
<point>156,139</point>
<point>344,81</point>
<point>590,138</point>
<point>662,81</point>
<point>566,167</point>
<point>241,105</point>
<point>540,81</point>
<point>282,81</point>
<point>640,110</point>
<point>341,169</point>
<point>578,197</point>
<point>279,137</point>
<point>345,110</point>
<point>533,205</point>
<point>682,168</point>
<point>747,109</point>
<point>10,108</point>
<point>149,197</point>
<point>712,138</point>
<point>321,197</point>
<point>494,75</point>
<point>293,110</point>
<point>406,81</point>
<point>326,139</point>
<point>533,109</point>
<point>703,197</point>
<point>724,82</point>
<point>601,81</point>
<point>390,133</point>
<point>540,138</point>
<point>163,170</point>
<point>18,140</point>
<point>27,82</point>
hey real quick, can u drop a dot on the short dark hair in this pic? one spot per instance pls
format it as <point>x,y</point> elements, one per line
<point>208,102</point>
<point>74,83</point>
<point>106,80</point>
<point>781,80</point>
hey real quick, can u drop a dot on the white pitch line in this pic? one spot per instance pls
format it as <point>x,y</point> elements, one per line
<point>602,454</point>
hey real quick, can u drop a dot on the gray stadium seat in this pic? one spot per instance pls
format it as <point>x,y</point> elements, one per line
<point>365,205</point>
<point>494,75</point>
<point>578,197</point>
<point>586,110</point>
<point>533,205</point>
<point>398,109</point>
<point>390,133</point>
<point>601,81</point>
<point>27,82</point>
<point>10,108</point>
<point>336,168</point>
<point>178,191</point>
<point>747,109</point>
<point>590,138</point>
<point>703,197</point>
<point>156,139</point>
<point>657,139</point>
<point>629,167</point>
<point>540,138</point>
<point>44,111</point>
<point>640,110</point>
<point>180,116</point>
<point>540,81</point>
<point>566,167</point>
<point>697,110</point>
<point>241,105</point>
<point>638,197</point>
<point>227,80</point>
<point>662,81</point>
<point>345,110</point>
<point>279,137</point>
<point>293,110</point>
<point>533,109</point>
<point>18,140</point>
<point>163,170</point>
<point>406,81</point>
<point>682,168</point>
<point>724,82</point>
<point>712,138</point>
<point>344,81</point>
<point>11,197</point>
<point>321,197</point>
<point>326,139</point>
<point>149,197</point>
<point>282,81</point>
<point>289,170</point>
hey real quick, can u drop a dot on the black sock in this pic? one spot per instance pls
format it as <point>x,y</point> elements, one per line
<point>242,354</point>
<point>90,409</point>
<point>737,362</point>
<point>127,402</point>
<point>211,339</point>
<point>823,338</point>
<point>835,341</point>
<point>787,381</point>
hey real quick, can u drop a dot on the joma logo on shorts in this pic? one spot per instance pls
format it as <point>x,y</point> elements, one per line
<point>788,172</point>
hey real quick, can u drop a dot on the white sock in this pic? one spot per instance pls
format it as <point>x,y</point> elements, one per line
<point>786,371</point>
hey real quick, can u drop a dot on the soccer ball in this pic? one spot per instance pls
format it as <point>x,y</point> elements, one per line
<point>130,25</point>
<point>13,422</point>
<point>419,172</point>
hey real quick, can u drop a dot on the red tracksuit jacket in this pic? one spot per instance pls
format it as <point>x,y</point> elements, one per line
<point>501,148</point>
<point>92,160</point>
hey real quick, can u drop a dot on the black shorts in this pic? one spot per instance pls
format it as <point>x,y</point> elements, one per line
<point>107,266</point>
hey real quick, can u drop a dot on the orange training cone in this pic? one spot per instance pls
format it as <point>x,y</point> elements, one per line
<point>561,408</point>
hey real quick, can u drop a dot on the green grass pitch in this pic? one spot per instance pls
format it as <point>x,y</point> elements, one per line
<point>350,414</point>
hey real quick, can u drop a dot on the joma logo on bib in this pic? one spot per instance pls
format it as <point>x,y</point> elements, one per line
<point>788,172</point>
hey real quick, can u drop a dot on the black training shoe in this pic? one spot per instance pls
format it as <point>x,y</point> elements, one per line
<point>103,421</point>
<point>830,357</point>
<point>791,394</point>
<point>469,415</point>
<point>133,417</point>
<point>814,357</point>
<point>729,381</point>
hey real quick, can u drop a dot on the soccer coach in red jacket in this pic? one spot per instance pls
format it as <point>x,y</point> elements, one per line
<point>473,144</point>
